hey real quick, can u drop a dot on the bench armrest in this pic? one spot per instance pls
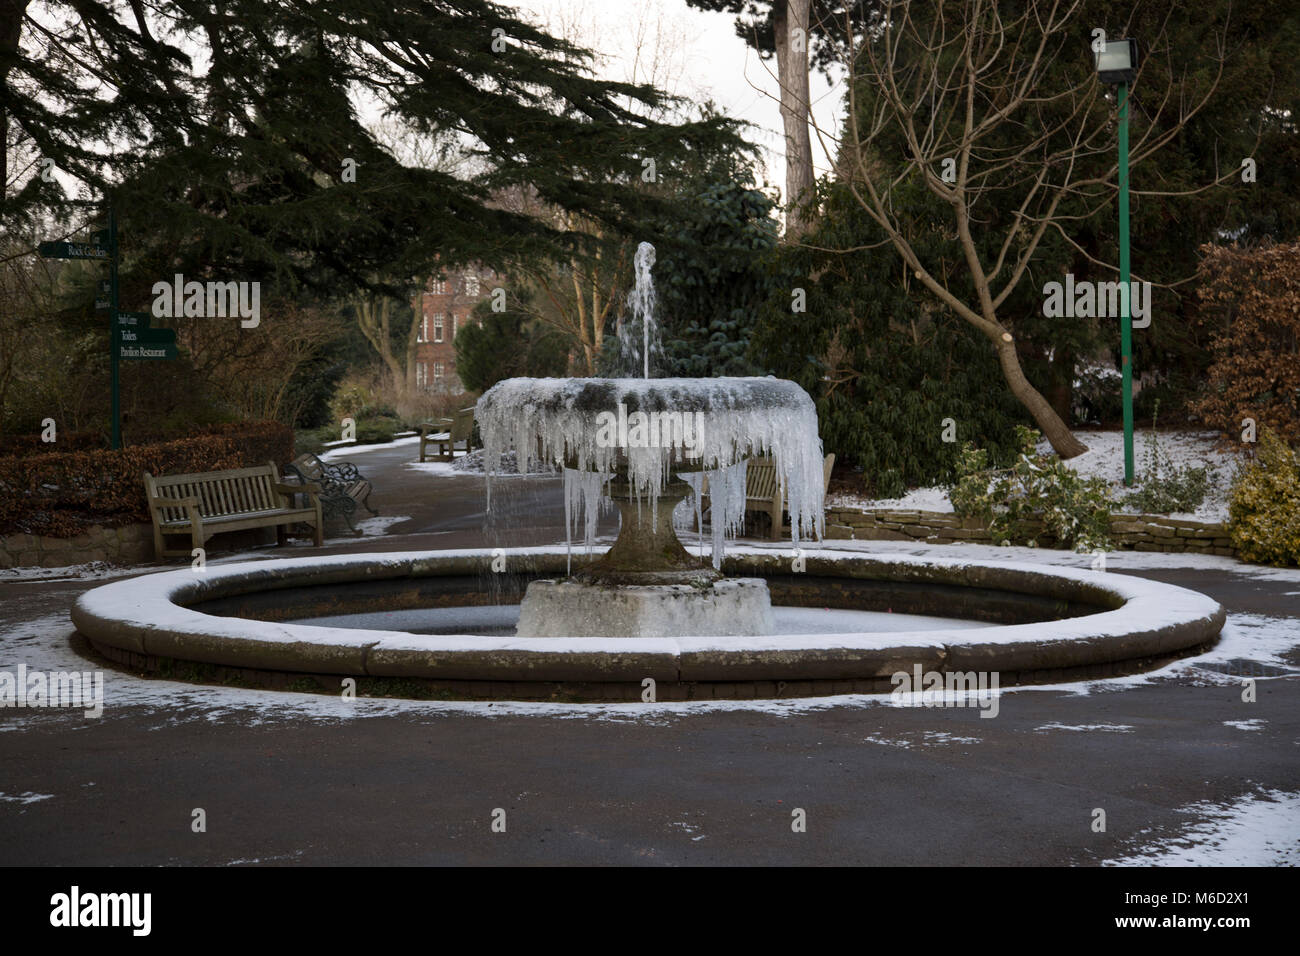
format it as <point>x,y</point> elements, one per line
<point>436,427</point>
<point>307,487</point>
<point>342,471</point>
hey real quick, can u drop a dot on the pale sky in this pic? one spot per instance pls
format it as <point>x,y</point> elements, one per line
<point>700,57</point>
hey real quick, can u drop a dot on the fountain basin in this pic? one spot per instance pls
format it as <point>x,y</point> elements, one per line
<point>1052,624</point>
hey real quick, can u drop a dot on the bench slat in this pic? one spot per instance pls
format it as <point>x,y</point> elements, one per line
<point>226,493</point>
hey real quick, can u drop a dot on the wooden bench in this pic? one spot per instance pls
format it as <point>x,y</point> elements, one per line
<point>763,494</point>
<point>341,485</point>
<point>208,503</point>
<point>446,434</point>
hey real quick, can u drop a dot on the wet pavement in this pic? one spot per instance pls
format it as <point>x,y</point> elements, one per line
<point>1174,760</point>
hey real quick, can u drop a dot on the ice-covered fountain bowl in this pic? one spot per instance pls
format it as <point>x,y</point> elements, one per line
<point>648,444</point>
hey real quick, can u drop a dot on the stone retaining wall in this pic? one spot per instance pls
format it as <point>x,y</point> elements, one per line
<point>1127,532</point>
<point>129,544</point>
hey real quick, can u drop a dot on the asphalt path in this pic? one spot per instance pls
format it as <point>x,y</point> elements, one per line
<point>287,778</point>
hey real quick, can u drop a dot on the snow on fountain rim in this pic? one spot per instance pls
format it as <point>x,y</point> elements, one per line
<point>722,423</point>
<point>149,603</point>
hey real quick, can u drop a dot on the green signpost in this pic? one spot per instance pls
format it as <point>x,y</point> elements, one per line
<point>137,341</point>
<point>129,334</point>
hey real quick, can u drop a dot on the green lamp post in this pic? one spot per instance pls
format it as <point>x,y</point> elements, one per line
<point>1117,63</point>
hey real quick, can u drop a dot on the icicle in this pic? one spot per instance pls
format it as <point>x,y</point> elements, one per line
<point>586,424</point>
<point>584,492</point>
<point>696,480</point>
<point>727,494</point>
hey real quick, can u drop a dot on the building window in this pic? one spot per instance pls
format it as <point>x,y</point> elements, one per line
<point>471,284</point>
<point>421,375</point>
<point>437,373</point>
<point>439,287</point>
<point>437,326</point>
<point>422,333</point>
<point>454,329</point>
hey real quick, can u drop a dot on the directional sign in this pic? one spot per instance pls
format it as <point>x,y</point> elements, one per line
<point>104,292</point>
<point>135,320</point>
<point>105,287</point>
<point>135,350</point>
<point>148,336</point>
<point>72,250</point>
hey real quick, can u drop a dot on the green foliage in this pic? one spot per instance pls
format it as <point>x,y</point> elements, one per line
<point>1164,487</point>
<point>376,431</point>
<point>710,275</point>
<point>504,345</point>
<point>238,170</point>
<point>1039,495</point>
<point>1264,506</point>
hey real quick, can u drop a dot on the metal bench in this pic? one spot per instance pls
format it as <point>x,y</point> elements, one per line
<point>446,434</point>
<point>201,505</point>
<point>341,485</point>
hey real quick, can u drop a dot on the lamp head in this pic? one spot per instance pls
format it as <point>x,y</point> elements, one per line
<point>1118,61</point>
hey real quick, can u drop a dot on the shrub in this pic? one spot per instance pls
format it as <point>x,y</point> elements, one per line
<point>376,431</point>
<point>1264,506</point>
<point>1165,488</point>
<point>1254,296</point>
<point>63,493</point>
<point>1036,488</point>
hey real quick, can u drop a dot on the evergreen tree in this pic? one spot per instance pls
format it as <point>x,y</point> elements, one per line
<point>261,167</point>
<point>505,345</point>
<point>711,277</point>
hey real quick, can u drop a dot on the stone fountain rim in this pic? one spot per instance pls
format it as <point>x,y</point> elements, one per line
<point>148,615</point>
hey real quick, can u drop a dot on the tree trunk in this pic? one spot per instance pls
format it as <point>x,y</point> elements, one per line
<point>1061,391</point>
<point>1053,428</point>
<point>792,74</point>
<point>11,29</point>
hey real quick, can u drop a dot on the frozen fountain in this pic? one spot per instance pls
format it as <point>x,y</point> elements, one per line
<point>648,444</point>
<point>649,616</point>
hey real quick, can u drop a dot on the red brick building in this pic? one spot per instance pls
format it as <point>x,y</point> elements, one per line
<point>445,308</point>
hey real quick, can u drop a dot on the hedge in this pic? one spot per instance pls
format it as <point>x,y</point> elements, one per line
<point>63,493</point>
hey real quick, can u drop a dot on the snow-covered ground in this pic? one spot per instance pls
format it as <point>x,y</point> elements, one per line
<point>1184,449</point>
<point>344,450</point>
<point>1104,459</point>
<point>1257,829</point>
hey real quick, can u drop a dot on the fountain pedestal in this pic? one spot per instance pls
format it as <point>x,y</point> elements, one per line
<point>646,585</point>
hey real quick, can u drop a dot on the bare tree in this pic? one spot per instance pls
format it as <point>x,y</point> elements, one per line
<point>988,124</point>
<point>252,370</point>
<point>578,296</point>
<point>26,298</point>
